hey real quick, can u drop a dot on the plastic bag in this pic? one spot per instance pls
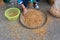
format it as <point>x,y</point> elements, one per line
<point>55,9</point>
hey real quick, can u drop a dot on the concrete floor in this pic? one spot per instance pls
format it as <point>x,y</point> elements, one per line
<point>15,31</point>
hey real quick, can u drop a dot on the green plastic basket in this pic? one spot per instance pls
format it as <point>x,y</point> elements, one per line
<point>12,10</point>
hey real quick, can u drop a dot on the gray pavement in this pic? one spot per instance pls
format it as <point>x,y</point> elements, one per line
<point>15,31</point>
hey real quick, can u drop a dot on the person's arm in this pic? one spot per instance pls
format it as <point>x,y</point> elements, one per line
<point>20,2</point>
<point>2,3</point>
<point>24,9</point>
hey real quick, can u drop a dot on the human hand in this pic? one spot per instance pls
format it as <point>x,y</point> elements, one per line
<point>24,9</point>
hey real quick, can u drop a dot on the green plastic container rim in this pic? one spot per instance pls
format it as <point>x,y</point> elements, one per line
<point>11,9</point>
